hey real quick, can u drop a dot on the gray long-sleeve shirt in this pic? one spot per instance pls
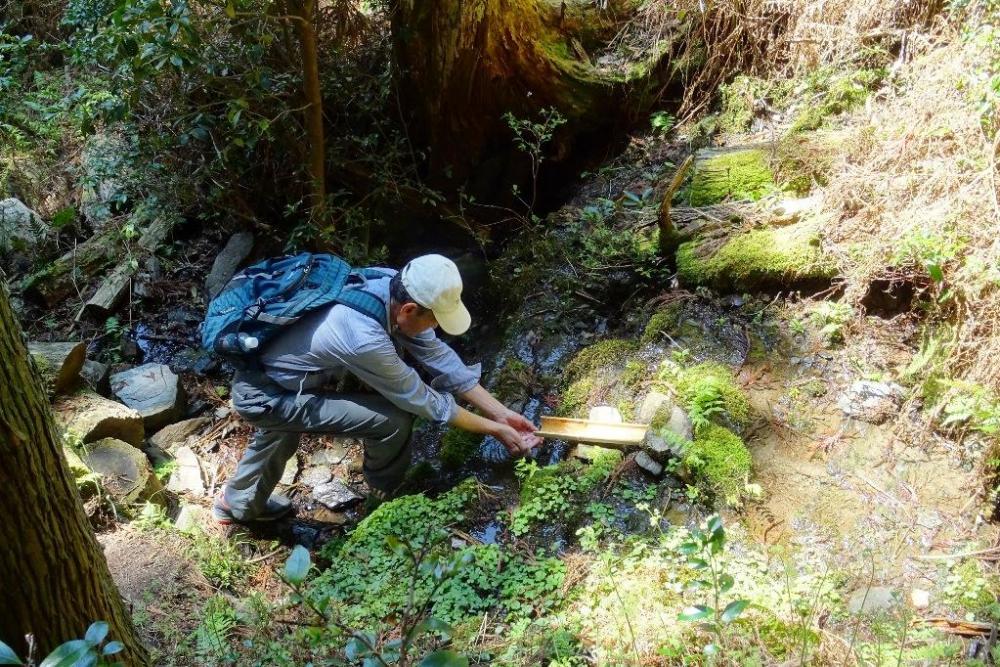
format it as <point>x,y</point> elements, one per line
<point>326,344</point>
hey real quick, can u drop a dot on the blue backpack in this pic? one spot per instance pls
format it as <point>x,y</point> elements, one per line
<point>263,300</point>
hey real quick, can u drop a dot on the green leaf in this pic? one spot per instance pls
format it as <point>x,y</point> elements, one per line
<point>7,656</point>
<point>695,613</point>
<point>69,654</point>
<point>725,583</point>
<point>113,647</point>
<point>444,659</point>
<point>297,565</point>
<point>733,610</point>
<point>96,633</point>
<point>356,648</point>
<point>937,275</point>
<point>432,625</point>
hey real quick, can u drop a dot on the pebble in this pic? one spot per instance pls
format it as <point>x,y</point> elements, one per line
<point>336,495</point>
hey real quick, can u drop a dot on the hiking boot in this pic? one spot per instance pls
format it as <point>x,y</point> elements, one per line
<point>277,507</point>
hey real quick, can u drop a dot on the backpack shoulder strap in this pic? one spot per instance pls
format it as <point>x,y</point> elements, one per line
<point>355,297</point>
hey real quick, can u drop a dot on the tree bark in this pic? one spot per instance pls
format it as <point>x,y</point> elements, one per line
<point>53,574</point>
<point>304,12</point>
<point>462,64</point>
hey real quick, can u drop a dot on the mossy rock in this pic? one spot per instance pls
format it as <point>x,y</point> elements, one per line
<point>575,397</point>
<point>662,322</point>
<point>513,381</point>
<point>458,447</point>
<point>720,464</point>
<point>610,353</point>
<point>691,382</point>
<point>728,175</point>
<point>761,259</point>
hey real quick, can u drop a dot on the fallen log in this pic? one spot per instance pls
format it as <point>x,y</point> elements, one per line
<point>59,364</point>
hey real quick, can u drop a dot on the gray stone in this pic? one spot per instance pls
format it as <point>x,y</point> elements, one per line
<point>315,476</point>
<point>680,424</point>
<point>330,455</point>
<point>226,262</point>
<point>124,470</point>
<point>645,461</point>
<point>173,435</point>
<point>59,364</point>
<point>191,518</point>
<point>873,600</point>
<point>221,412</point>
<point>336,495</point>
<point>20,228</point>
<point>154,391</point>
<point>187,477</point>
<point>88,417</point>
<point>97,376</point>
<point>651,404</point>
<point>291,471</point>
<point>872,402</point>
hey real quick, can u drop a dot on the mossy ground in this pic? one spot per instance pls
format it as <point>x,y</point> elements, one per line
<point>691,382</point>
<point>662,323</point>
<point>720,463</point>
<point>458,447</point>
<point>760,259</point>
<point>738,175</point>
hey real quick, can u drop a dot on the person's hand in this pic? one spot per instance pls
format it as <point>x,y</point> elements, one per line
<point>522,425</point>
<point>512,439</point>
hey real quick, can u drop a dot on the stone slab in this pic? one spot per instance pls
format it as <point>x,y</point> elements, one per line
<point>154,391</point>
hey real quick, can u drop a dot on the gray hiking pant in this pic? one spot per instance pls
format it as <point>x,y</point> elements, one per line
<point>281,416</point>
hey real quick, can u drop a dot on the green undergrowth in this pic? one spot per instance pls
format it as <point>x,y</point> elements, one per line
<point>708,390</point>
<point>556,492</point>
<point>759,259</point>
<point>458,447</point>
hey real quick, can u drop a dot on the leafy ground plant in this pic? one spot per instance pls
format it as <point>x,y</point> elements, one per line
<point>702,552</point>
<point>91,650</point>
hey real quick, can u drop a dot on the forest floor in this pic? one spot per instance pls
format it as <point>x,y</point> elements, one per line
<point>856,527</point>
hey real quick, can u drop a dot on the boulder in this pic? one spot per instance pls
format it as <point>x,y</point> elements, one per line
<point>315,476</point>
<point>226,262</point>
<point>124,470</point>
<point>646,462</point>
<point>291,471</point>
<point>872,600</point>
<point>173,435</point>
<point>191,518</point>
<point>89,417</point>
<point>680,424</point>
<point>59,364</point>
<point>97,376</point>
<point>336,495</point>
<point>651,404</point>
<point>330,455</point>
<point>187,477</point>
<point>872,402</point>
<point>154,391</point>
<point>20,228</point>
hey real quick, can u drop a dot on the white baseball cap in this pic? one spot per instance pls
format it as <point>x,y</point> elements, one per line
<point>434,282</point>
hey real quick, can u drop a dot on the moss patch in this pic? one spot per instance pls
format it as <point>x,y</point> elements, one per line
<point>761,259</point>
<point>513,381</point>
<point>662,322</point>
<point>691,383</point>
<point>741,174</point>
<point>603,354</point>
<point>576,396</point>
<point>720,464</point>
<point>458,446</point>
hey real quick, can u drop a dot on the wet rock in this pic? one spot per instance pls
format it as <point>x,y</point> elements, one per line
<point>680,424</point>
<point>191,518</point>
<point>330,455</point>
<point>646,462</point>
<point>291,471</point>
<point>587,452</point>
<point>177,434</point>
<point>336,495</point>
<point>872,600</point>
<point>59,364</point>
<point>196,360</point>
<point>97,376</point>
<point>323,515</point>
<point>651,404</point>
<point>89,417</point>
<point>20,228</point>
<point>124,470</point>
<point>872,402</point>
<point>154,391</point>
<point>187,477</point>
<point>226,262</point>
<point>316,476</point>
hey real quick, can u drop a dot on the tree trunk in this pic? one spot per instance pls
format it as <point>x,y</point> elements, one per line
<point>304,12</point>
<point>464,63</point>
<point>53,575</point>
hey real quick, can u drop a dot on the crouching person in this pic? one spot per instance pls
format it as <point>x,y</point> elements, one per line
<point>285,394</point>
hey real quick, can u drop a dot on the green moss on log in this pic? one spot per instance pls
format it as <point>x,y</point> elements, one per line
<point>720,464</point>
<point>761,259</point>
<point>739,175</point>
